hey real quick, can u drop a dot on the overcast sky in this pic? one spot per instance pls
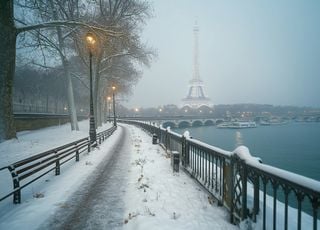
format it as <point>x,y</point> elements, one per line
<point>265,52</point>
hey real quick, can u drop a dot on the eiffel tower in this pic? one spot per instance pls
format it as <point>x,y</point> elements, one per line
<point>196,97</point>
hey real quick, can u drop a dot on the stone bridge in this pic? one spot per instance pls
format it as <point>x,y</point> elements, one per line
<point>179,121</point>
<point>195,121</point>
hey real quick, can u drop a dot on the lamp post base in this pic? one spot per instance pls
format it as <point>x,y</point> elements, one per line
<point>92,132</point>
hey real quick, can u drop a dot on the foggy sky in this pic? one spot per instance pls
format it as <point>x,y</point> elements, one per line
<point>265,52</point>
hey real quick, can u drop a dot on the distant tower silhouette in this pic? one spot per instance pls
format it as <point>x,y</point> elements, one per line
<point>196,97</point>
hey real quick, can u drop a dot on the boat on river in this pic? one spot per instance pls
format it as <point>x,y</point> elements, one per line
<point>273,122</point>
<point>237,125</point>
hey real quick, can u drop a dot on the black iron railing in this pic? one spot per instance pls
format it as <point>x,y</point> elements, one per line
<point>243,184</point>
<point>29,170</point>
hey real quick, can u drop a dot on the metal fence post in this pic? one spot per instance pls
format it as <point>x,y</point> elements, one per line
<point>231,188</point>
<point>227,196</point>
<point>166,140</point>
<point>244,179</point>
<point>159,134</point>
<point>17,193</point>
<point>57,171</point>
<point>183,151</point>
<point>16,185</point>
<point>77,153</point>
<point>187,152</point>
<point>315,206</point>
<point>255,197</point>
<point>89,145</point>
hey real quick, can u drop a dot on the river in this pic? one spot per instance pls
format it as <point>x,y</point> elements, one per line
<point>294,147</point>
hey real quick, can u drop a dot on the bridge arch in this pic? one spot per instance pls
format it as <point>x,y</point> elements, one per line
<point>219,121</point>
<point>184,124</point>
<point>209,122</point>
<point>197,123</point>
<point>167,124</point>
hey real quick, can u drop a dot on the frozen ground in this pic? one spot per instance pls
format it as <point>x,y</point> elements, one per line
<point>125,184</point>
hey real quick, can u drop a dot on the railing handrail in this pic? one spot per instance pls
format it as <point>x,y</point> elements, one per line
<point>29,166</point>
<point>212,166</point>
<point>308,184</point>
<point>46,153</point>
<point>220,151</point>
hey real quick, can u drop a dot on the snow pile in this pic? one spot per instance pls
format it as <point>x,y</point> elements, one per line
<point>244,154</point>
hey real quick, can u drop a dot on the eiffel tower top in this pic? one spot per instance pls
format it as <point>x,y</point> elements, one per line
<point>196,96</point>
<point>196,74</point>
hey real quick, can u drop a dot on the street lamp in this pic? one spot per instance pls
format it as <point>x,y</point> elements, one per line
<point>136,112</point>
<point>109,108</point>
<point>91,41</point>
<point>114,107</point>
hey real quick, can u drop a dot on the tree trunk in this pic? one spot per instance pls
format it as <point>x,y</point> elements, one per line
<point>7,59</point>
<point>71,104</point>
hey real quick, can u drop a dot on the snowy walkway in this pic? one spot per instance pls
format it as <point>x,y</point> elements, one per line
<point>98,204</point>
<point>126,184</point>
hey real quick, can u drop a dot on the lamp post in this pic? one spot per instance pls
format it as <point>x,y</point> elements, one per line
<point>114,107</point>
<point>109,108</point>
<point>91,40</point>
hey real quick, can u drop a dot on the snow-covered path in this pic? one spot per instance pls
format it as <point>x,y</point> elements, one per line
<point>126,184</point>
<point>98,204</point>
<point>157,198</point>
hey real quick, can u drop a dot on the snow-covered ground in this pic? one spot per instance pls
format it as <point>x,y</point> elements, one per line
<point>32,142</point>
<point>153,197</point>
<point>157,198</point>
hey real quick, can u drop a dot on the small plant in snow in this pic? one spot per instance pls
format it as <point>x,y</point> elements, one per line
<point>175,215</point>
<point>140,162</point>
<point>38,195</point>
<point>130,216</point>
<point>140,178</point>
<point>149,212</point>
<point>143,186</point>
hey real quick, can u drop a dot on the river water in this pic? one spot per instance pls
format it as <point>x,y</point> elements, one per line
<point>294,147</point>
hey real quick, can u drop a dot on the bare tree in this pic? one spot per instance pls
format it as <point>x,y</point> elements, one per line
<point>127,16</point>
<point>8,37</point>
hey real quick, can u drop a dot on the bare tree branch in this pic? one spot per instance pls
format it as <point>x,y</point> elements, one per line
<point>68,24</point>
